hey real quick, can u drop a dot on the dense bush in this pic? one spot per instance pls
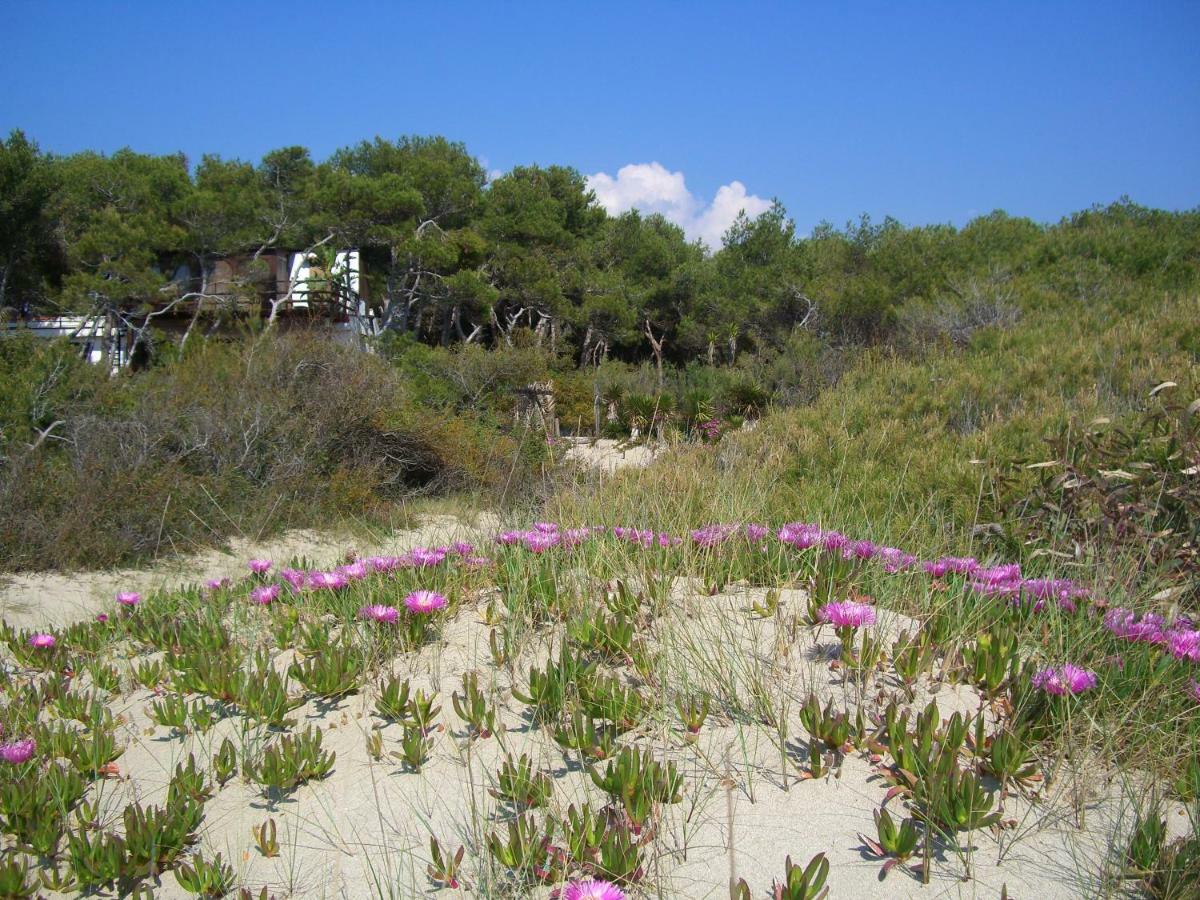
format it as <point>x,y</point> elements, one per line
<point>233,437</point>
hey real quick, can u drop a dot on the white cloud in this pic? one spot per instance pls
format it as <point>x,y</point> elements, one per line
<point>650,188</point>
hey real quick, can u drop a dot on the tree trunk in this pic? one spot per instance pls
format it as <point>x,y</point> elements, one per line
<point>656,345</point>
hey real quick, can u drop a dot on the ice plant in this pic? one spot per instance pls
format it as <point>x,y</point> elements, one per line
<point>845,617</point>
<point>129,598</point>
<point>42,641</point>
<point>17,752</point>
<point>215,584</point>
<point>379,613</point>
<point>592,889</point>
<point>260,566</point>
<point>265,594</point>
<point>422,602</point>
<point>422,557</point>
<point>540,541</point>
<point>800,535</point>
<point>1065,679</point>
<point>848,614</point>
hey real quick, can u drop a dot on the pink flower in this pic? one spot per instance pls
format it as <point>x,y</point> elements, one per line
<point>265,594</point>
<point>1065,679</point>
<point>591,889</point>
<point>383,563</point>
<point>42,641</point>
<point>756,533</point>
<point>129,598</point>
<point>355,571</point>
<point>215,584</point>
<point>462,548</point>
<point>545,527</point>
<point>422,602</point>
<point>800,535</point>
<point>379,613</point>
<point>260,566</point>
<point>961,565</point>
<point>711,535</point>
<point>295,578</point>
<point>17,752</point>
<point>332,580</point>
<point>895,559</point>
<point>848,614</point>
<point>1184,643</point>
<point>1125,624</point>
<point>102,618</point>
<point>423,557</point>
<point>540,541</point>
<point>861,550</point>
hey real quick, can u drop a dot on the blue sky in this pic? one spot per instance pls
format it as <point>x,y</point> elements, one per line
<point>930,112</point>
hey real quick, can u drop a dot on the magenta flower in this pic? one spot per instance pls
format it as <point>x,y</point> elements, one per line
<point>711,535</point>
<point>260,566</point>
<point>355,571</point>
<point>848,614</point>
<point>540,541</point>
<point>800,535</point>
<point>1125,624</point>
<point>894,559</point>
<point>102,618</point>
<point>461,548</point>
<point>1065,679</point>
<point>545,527</point>
<point>129,598</point>
<point>860,550</point>
<point>265,594</point>
<point>17,752</point>
<point>959,565</point>
<point>573,537</point>
<point>294,577</point>
<point>592,889</point>
<point>215,584</point>
<point>379,613</point>
<point>422,602</point>
<point>756,533</point>
<point>332,580</point>
<point>42,641</point>
<point>1184,643</point>
<point>423,557</point>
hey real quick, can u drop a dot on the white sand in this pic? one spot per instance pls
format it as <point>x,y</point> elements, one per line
<point>364,832</point>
